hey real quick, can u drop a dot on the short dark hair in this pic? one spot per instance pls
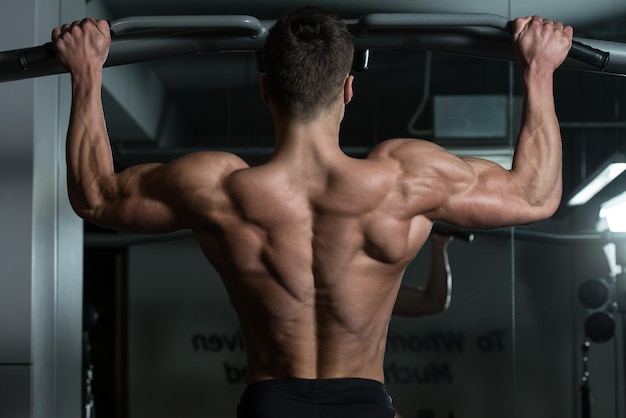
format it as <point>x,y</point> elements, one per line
<point>307,55</point>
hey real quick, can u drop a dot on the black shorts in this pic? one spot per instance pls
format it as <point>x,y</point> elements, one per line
<point>315,398</point>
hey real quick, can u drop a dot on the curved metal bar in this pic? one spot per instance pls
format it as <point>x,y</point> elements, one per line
<point>377,21</point>
<point>138,39</point>
<point>138,49</point>
<point>248,25</point>
<point>616,62</point>
<point>146,38</point>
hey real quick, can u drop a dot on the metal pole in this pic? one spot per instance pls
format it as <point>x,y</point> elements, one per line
<point>146,38</point>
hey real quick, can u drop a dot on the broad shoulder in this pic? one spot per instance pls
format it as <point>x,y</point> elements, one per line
<point>427,174</point>
<point>402,148</point>
<point>196,183</point>
<point>217,159</point>
<point>412,156</point>
<point>200,178</point>
<point>209,166</point>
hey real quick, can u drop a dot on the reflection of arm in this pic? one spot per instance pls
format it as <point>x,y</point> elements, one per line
<point>413,301</point>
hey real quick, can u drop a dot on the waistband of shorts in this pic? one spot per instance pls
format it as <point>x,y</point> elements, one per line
<point>322,385</point>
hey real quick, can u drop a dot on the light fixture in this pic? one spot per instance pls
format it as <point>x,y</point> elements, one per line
<point>613,214</point>
<point>600,327</point>
<point>502,156</point>
<point>607,172</point>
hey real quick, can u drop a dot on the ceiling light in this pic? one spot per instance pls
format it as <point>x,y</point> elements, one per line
<point>613,213</point>
<point>598,180</point>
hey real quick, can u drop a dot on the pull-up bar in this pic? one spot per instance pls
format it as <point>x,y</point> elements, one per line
<point>139,39</point>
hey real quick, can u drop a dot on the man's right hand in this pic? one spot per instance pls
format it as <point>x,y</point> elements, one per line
<point>541,44</point>
<point>82,46</point>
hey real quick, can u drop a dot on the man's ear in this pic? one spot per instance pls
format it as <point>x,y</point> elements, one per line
<point>265,94</point>
<point>347,89</point>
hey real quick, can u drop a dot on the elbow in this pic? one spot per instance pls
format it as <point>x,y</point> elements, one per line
<point>443,307</point>
<point>96,215</point>
<point>545,209</point>
<point>539,202</point>
<point>92,200</point>
<point>551,207</point>
<point>438,307</point>
<point>87,209</point>
<point>446,305</point>
<point>79,204</point>
<point>85,212</point>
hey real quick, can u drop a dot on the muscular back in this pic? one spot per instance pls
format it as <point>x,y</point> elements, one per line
<point>312,256</point>
<point>312,245</point>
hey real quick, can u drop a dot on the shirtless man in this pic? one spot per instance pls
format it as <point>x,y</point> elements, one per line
<point>312,245</point>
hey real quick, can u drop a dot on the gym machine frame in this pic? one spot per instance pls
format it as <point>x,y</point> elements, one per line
<point>144,38</point>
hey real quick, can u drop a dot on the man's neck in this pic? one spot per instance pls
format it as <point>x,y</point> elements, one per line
<point>319,136</point>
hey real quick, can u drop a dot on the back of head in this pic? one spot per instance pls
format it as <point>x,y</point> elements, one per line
<point>307,56</point>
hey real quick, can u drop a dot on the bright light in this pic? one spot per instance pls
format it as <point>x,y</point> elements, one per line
<point>598,182</point>
<point>502,156</point>
<point>614,213</point>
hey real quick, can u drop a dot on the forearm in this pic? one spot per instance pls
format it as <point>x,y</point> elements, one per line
<point>542,46</point>
<point>89,160</point>
<point>538,155</point>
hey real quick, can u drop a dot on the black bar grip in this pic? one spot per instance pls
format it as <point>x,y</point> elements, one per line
<point>451,230</point>
<point>589,55</point>
<point>36,55</point>
<point>33,56</point>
